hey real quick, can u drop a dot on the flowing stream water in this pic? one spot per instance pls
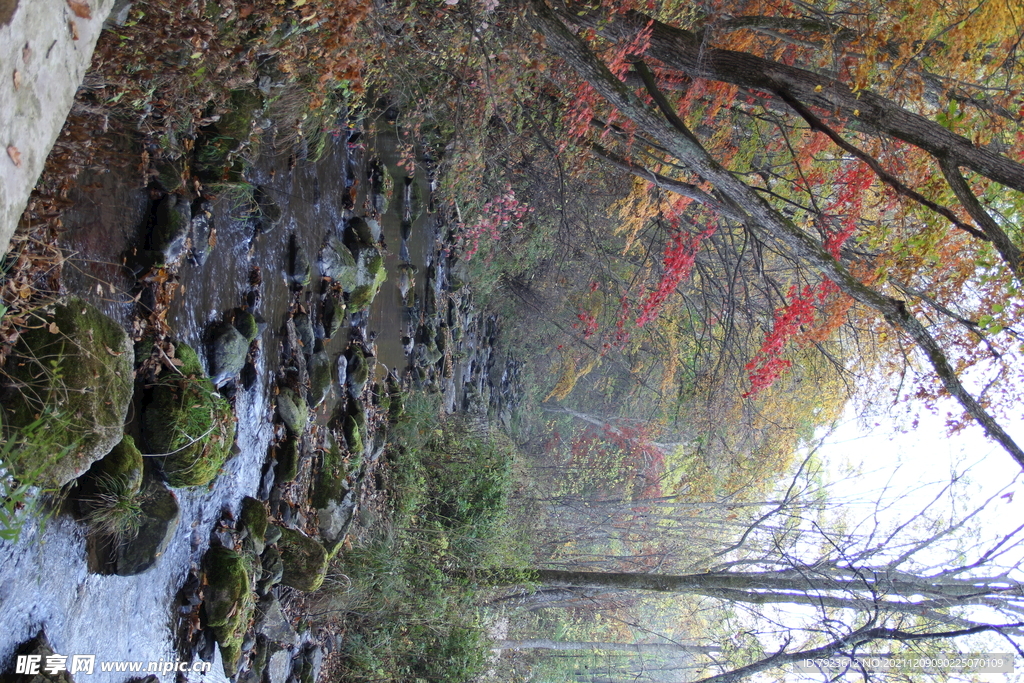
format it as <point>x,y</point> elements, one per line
<point>45,582</point>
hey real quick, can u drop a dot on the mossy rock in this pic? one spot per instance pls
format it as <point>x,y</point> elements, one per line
<point>318,369</point>
<point>269,211</point>
<point>245,323</point>
<point>330,482</point>
<point>337,263</point>
<point>359,232</point>
<point>190,423</point>
<point>358,371</point>
<point>159,521</point>
<point>78,365</point>
<point>292,410</point>
<point>353,436</point>
<point>253,518</point>
<point>287,456</point>
<point>125,461</point>
<point>243,105</point>
<point>305,560</point>
<point>229,605</point>
<point>370,275</point>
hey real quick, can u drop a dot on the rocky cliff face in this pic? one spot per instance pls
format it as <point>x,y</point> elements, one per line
<point>45,48</point>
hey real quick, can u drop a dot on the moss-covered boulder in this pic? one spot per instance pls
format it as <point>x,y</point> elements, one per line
<point>252,521</point>
<point>188,423</point>
<point>305,560</point>
<point>337,262</point>
<point>74,372</point>
<point>123,462</point>
<point>318,369</point>
<point>292,410</point>
<point>287,456</point>
<point>228,603</point>
<point>354,436</point>
<point>156,526</point>
<point>370,275</point>
<point>329,484</point>
<point>246,324</point>
<point>358,371</point>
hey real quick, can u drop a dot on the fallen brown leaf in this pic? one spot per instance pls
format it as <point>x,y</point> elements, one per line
<point>14,154</point>
<point>17,79</point>
<point>81,9</point>
<point>54,329</point>
<point>73,27</point>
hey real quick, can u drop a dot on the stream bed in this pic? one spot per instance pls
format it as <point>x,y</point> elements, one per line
<point>45,578</point>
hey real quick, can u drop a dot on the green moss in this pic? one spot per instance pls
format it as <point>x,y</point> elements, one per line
<point>229,603</point>
<point>253,516</point>
<point>74,370</point>
<point>245,323</point>
<point>329,484</point>
<point>189,423</point>
<point>287,456</point>
<point>305,560</point>
<point>353,436</point>
<point>125,461</point>
<point>292,410</point>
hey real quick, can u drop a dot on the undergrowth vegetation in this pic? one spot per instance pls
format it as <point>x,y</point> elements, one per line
<point>405,594</point>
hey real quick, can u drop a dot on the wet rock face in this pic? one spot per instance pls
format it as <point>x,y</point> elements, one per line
<point>292,410</point>
<point>39,647</point>
<point>228,348</point>
<point>298,272</point>
<point>171,229</point>
<point>89,387</point>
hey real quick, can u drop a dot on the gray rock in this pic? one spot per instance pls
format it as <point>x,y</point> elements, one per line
<point>304,331</point>
<point>272,624</point>
<point>273,569</point>
<point>278,667</point>
<point>305,560</point>
<point>269,213</point>
<point>311,661</point>
<point>298,271</point>
<point>160,517</point>
<point>202,228</point>
<point>228,348</point>
<point>335,519</point>
<point>172,228</point>
<point>333,315</point>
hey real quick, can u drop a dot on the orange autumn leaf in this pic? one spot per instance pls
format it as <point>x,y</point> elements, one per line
<point>81,9</point>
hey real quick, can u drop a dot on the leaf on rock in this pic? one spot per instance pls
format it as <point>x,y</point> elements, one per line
<point>14,154</point>
<point>81,9</point>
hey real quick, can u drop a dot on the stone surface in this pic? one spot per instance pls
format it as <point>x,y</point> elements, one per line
<point>228,348</point>
<point>40,645</point>
<point>37,42</point>
<point>338,263</point>
<point>272,623</point>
